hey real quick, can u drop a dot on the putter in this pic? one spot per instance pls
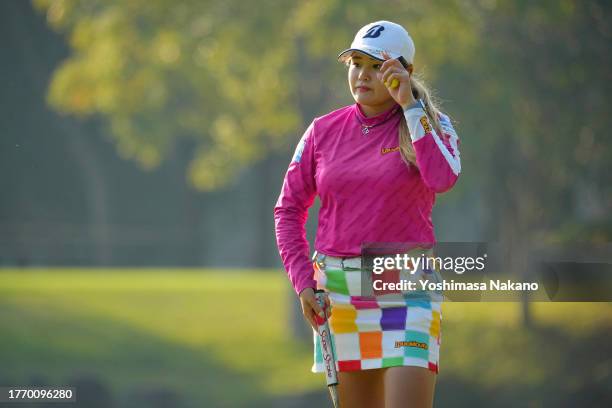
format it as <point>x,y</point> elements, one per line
<point>331,375</point>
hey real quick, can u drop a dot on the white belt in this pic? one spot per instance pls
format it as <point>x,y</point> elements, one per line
<point>337,262</point>
<point>354,262</point>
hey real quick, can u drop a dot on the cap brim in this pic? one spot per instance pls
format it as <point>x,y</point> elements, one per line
<point>344,55</point>
<point>370,52</point>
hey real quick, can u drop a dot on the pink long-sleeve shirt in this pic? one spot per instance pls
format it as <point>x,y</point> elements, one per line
<point>367,192</point>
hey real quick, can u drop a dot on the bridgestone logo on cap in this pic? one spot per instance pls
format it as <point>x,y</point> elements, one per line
<point>374,32</point>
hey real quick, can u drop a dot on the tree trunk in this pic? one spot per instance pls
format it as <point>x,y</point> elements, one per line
<point>96,188</point>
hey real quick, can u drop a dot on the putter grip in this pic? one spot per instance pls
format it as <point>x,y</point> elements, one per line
<point>325,337</point>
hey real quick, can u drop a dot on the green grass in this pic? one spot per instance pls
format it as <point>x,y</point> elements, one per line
<point>218,338</point>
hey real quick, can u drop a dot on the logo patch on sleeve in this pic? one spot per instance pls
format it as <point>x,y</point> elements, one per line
<point>425,124</point>
<point>297,156</point>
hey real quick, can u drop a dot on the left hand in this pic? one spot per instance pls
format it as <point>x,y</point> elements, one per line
<point>393,69</point>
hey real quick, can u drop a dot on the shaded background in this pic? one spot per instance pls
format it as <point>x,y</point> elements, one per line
<point>140,138</point>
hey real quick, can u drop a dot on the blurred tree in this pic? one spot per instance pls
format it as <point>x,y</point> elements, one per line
<point>237,77</point>
<point>544,92</point>
<point>159,71</point>
<point>555,73</point>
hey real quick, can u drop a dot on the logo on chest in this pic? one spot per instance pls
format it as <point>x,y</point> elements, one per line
<point>386,150</point>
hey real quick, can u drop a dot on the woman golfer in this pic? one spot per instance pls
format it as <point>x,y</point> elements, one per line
<point>376,166</point>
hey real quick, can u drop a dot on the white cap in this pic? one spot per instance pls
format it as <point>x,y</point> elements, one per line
<point>374,38</point>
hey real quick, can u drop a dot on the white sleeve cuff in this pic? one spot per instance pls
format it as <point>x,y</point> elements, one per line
<point>419,126</point>
<point>417,121</point>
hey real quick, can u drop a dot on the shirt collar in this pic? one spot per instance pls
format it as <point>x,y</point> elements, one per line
<point>373,120</point>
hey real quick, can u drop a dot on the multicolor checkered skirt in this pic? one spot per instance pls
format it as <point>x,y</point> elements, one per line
<point>382,329</point>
